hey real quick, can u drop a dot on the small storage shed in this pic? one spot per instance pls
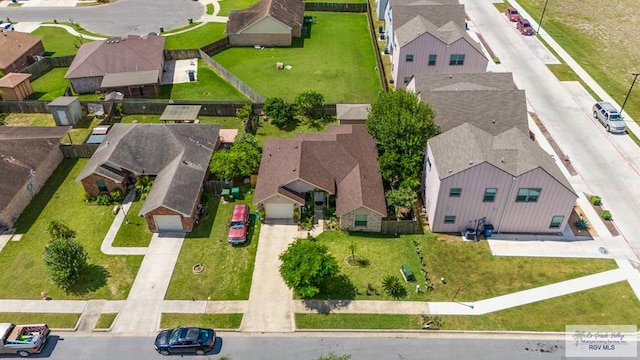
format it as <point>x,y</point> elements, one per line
<point>15,86</point>
<point>66,110</point>
<point>348,114</point>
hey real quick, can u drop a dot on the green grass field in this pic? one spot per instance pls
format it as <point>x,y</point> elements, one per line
<point>209,86</point>
<point>214,321</point>
<point>135,232</point>
<point>58,42</point>
<point>62,198</point>
<point>50,85</point>
<point>337,61</point>
<point>196,37</point>
<point>228,269</point>
<point>55,321</point>
<point>461,263</point>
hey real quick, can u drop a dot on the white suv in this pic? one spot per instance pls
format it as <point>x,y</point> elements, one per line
<point>609,117</point>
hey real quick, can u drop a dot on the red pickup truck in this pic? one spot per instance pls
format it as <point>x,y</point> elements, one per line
<point>23,340</point>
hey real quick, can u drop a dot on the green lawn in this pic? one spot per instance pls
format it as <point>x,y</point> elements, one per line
<point>62,198</point>
<point>50,85</point>
<point>214,321</point>
<point>337,60</point>
<point>58,41</point>
<point>135,233</point>
<point>105,320</point>
<point>228,269</point>
<point>583,29</point>
<point>55,321</point>
<point>608,305</point>
<point>227,5</point>
<point>460,263</point>
<point>209,86</point>
<point>195,38</point>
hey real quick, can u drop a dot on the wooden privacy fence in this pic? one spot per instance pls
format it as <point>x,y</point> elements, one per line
<point>45,64</point>
<point>214,187</point>
<point>374,38</point>
<point>156,107</point>
<point>232,79</point>
<point>78,150</point>
<point>398,226</point>
<point>335,7</point>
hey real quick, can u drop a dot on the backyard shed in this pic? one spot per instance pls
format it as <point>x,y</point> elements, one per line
<point>15,86</point>
<point>66,110</point>
<point>352,113</point>
<point>180,113</point>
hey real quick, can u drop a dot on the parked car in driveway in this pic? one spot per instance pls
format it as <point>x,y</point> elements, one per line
<point>609,117</point>
<point>185,340</point>
<point>524,26</point>
<point>512,14</point>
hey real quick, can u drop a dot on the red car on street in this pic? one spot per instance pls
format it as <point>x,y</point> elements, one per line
<point>512,14</point>
<point>524,26</point>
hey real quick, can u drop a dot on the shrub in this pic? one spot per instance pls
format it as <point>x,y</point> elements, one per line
<point>3,116</point>
<point>582,224</point>
<point>117,195</point>
<point>103,199</point>
<point>606,214</point>
<point>66,260</point>
<point>595,200</point>
<point>392,286</point>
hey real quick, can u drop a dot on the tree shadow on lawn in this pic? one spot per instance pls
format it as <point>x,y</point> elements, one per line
<point>94,278</point>
<point>32,212</point>
<point>372,235</point>
<point>335,293</point>
<point>205,224</point>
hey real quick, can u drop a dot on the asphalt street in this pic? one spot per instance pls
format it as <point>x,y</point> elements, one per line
<point>310,348</point>
<point>607,164</point>
<point>122,17</point>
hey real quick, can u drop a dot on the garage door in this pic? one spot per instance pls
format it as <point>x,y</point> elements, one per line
<point>279,211</point>
<point>168,222</point>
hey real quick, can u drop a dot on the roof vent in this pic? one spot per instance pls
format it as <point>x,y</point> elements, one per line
<point>450,76</point>
<point>470,162</point>
<point>502,160</point>
<point>450,171</point>
<point>493,121</point>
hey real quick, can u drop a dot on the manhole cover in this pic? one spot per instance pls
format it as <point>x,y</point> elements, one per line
<point>198,268</point>
<point>603,250</point>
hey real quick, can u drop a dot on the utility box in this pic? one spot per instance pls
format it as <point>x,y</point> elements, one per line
<point>488,230</point>
<point>66,110</point>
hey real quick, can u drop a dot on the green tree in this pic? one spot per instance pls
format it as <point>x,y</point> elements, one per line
<point>66,260</point>
<point>401,125</point>
<point>305,265</point>
<point>391,284</point>
<point>3,116</point>
<point>58,229</point>
<point>404,197</point>
<point>246,138</point>
<point>143,185</point>
<point>280,112</point>
<point>309,103</point>
<point>241,160</point>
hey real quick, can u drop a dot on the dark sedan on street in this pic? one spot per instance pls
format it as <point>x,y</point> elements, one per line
<point>183,340</point>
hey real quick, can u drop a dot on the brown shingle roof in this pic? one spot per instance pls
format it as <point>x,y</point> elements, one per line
<point>22,149</point>
<point>511,151</point>
<point>10,80</point>
<point>118,55</point>
<point>489,101</point>
<point>14,44</point>
<point>342,161</point>
<point>288,12</point>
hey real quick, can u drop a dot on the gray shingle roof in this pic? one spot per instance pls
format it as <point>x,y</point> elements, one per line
<point>176,154</point>
<point>288,12</point>
<point>512,151</point>
<point>437,14</point>
<point>489,101</point>
<point>447,33</point>
<point>342,161</point>
<point>118,55</point>
<point>22,149</point>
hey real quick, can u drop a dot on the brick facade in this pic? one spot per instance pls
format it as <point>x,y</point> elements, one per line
<point>90,184</point>
<point>87,85</point>
<point>26,59</point>
<point>187,222</point>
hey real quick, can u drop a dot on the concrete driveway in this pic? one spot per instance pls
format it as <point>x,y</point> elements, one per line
<point>270,307</point>
<point>607,164</point>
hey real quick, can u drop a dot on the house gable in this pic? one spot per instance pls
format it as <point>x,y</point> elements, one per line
<point>267,25</point>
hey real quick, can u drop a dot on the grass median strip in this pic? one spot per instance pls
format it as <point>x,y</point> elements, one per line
<point>133,232</point>
<point>105,320</point>
<point>55,321</point>
<point>614,304</point>
<point>214,321</point>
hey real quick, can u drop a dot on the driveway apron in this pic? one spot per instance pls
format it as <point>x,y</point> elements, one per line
<point>270,307</point>
<point>141,312</point>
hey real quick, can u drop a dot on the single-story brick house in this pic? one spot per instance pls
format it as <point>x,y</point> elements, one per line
<point>506,179</point>
<point>28,156</point>
<point>341,162</point>
<point>19,50</point>
<point>266,23</point>
<point>132,65</point>
<point>176,155</point>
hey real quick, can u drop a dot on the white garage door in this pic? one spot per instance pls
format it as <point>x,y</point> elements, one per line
<point>279,211</point>
<point>168,222</point>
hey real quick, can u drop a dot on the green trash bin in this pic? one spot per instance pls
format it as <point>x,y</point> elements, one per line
<point>235,193</point>
<point>190,20</point>
<point>161,29</point>
<point>225,194</point>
